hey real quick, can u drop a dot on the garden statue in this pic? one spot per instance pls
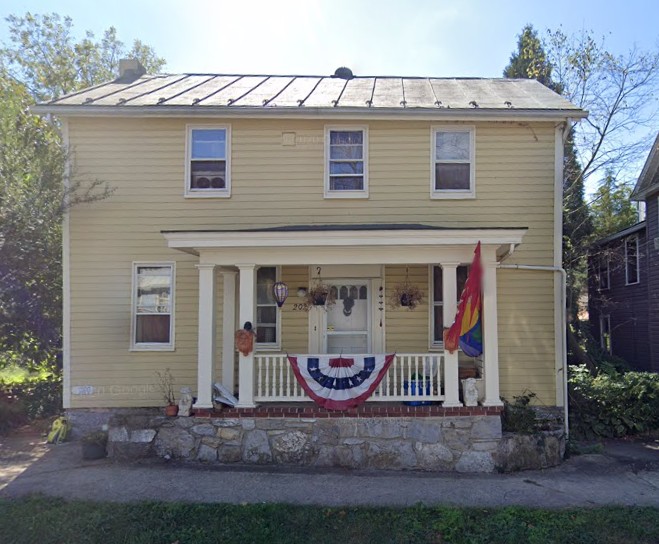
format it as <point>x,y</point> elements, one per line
<point>470,392</point>
<point>185,404</point>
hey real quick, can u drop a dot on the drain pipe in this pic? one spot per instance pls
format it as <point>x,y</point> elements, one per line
<point>561,271</point>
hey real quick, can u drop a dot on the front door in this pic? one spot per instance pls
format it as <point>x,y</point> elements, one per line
<point>348,323</point>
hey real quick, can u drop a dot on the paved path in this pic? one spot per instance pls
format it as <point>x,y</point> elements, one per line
<point>627,474</point>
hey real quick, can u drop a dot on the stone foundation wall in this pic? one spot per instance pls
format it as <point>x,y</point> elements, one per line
<point>463,444</point>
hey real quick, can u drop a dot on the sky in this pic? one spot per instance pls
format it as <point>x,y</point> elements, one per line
<point>407,38</point>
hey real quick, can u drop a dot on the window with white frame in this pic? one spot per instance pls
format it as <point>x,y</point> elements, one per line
<point>632,269</point>
<point>267,315</point>
<point>437,306</point>
<point>153,306</point>
<point>208,170</point>
<point>605,333</point>
<point>603,271</point>
<point>346,162</point>
<point>453,162</point>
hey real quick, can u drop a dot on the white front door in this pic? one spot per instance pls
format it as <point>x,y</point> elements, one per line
<point>348,321</point>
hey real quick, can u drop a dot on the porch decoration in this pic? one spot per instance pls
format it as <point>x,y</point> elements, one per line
<point>406,294</point>
<point>320,294</point>
<point>466,331</point>
<point>280,292</point>
<point>166,387</point>
<point>340,383</point>
<point>245,339</point>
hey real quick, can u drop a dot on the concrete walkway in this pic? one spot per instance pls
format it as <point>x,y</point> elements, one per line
<point>627,473</point>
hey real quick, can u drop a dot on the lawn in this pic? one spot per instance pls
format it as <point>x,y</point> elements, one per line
<point>57,521</point>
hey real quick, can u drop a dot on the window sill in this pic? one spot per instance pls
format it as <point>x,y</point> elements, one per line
<point>152,348</point>
<point>266,348</point>
<point>450,195</point>
<point>346,194</point>
<point>208,194</point>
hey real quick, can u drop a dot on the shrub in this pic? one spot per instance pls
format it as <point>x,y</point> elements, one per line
<point>518,416</point>
<point>612,404</point>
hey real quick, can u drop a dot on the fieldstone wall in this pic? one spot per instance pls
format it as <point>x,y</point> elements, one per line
<point>530,451</point>
<point>462,444</point>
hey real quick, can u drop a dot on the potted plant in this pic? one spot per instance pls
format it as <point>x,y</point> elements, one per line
<point>406,295</point>
<point>166,386</point>
<point>320,294</point>
<point>94,445</point>
<point>418,386</point>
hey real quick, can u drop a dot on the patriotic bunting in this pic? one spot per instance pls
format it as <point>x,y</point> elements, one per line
<point>340,383</point>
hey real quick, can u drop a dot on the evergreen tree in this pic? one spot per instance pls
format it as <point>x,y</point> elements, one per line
<point>612,209</point>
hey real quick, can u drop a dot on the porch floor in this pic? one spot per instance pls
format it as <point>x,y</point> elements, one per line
<point>369,410</point>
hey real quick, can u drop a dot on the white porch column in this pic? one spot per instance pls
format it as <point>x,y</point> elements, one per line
<point>228,328</point>
<point>490,336</point>
<point>246,371</point>
<point>206,342</point>
<point>449,302</point>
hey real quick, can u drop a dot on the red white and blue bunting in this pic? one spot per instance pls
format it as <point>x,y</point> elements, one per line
<point>340,383</point>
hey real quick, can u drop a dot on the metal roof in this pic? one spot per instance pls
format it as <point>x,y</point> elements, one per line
<point>167,93</point>
<point>648,181</point>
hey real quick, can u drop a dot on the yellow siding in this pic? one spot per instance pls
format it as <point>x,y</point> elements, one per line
<point>143,160</point>
<point>406,331</point>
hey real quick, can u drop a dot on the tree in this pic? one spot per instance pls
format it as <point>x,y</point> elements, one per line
<point>530,60</point>
<point>45,56</point>
<point>43,61</point>
<point>612,209</point>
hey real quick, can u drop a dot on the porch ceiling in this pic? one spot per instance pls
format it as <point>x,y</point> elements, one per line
<point>355,244</point>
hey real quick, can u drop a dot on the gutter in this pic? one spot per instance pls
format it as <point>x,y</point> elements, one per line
<point>561,271</point>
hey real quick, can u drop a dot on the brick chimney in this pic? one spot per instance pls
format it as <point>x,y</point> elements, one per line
<point>130,69</point>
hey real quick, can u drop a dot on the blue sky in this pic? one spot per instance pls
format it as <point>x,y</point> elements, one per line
<point>424,37</point>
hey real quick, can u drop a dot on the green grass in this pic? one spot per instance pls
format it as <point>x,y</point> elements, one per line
<point>57,521</point>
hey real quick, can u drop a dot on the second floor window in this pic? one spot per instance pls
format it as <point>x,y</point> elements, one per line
<point>453,163</point>
<point>208,162</point>
<point>346,162</point>
<point>632,272</point>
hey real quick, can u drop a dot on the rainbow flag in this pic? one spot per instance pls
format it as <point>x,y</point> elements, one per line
<point>467,330</point>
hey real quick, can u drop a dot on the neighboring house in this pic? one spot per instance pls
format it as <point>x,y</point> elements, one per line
<point>225,184</point>
<point>624,280</point>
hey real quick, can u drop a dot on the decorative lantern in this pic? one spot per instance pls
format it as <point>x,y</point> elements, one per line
<point>280,292</point>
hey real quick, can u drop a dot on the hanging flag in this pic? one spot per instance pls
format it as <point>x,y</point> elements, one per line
<point>340,383</point>
<point>467,331</point>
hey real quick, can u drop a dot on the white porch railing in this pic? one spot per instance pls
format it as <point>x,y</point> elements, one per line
<point>275,380</point>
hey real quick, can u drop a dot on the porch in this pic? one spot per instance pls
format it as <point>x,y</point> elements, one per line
<point>372,251</point>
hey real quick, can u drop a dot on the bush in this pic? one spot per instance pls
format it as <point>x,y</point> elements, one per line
<point>612,404</point>
<point>518,416</point>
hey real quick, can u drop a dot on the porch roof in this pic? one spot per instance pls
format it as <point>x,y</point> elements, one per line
<point>360,244</point>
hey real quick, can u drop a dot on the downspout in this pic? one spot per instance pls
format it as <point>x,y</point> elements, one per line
<point>561,271</point>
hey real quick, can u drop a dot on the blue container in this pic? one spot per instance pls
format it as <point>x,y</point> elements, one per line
<point>415,389</point>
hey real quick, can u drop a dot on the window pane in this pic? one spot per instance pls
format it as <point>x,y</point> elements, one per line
<point>346,137</point>
<point>352,183</point>
<point>266,335</point>
<point>452,176</point>
<point>346,168</point>
<point>152,329</point>
<point>346,152</point>
<point>438,324</point>
<point>438,293</point>
<point>266,315</point>
<point>461,278</point>
<point>208,175</point>
<point>209,144</point>
<point>452,146</point>
<point>153,289</point>
<point>265,280</point>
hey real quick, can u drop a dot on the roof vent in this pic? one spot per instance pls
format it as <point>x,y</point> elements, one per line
<point>130,69</point>
<point>343,73</point>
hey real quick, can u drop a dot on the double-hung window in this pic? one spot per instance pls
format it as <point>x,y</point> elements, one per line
<point>453,162</point>
<point>208,162</point>
<point>267,314</point>
<point>153,306</point>
<point>437,306</point>
<point>346,162</point>
<point>632,269</point>
<point>603,272</point>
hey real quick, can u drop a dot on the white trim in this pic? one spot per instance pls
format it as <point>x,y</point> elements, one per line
<point>440,194</point>
<point>207,193</point>
<point>66,277</point>
<point>265,346</point>
<point>432,345</point>
<point>608,272</point>
<point>171,345</point>
<point>638,262</point>
<point>559,304</point>
<point>341,238</point>
<point>369,311</point>
<point>247,112</point>
<point>326,187</point>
